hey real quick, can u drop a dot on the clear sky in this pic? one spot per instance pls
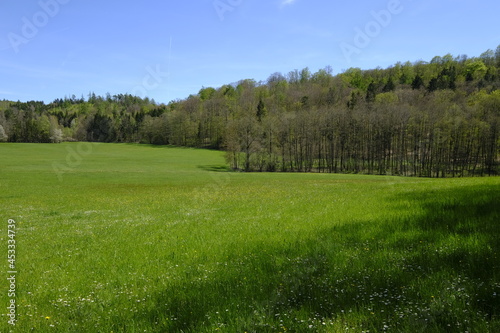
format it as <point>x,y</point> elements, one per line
<point>168,49</point>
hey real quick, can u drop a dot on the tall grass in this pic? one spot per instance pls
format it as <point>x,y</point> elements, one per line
<point>147,239</point>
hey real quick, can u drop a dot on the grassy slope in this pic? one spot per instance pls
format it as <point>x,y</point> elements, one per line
<point>139,238</point>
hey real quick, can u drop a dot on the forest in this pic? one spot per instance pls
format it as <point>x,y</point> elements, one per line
<point>427,119</point>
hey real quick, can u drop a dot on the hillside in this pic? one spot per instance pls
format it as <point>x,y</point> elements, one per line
<point>142,238</point>
<point>433,119</point>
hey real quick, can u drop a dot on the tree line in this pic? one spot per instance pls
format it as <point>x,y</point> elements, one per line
<point>433,119</point>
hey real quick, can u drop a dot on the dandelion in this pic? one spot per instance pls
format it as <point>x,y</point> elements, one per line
<point>47,317</point>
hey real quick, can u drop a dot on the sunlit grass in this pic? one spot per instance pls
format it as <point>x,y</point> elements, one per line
<point>147,239</point>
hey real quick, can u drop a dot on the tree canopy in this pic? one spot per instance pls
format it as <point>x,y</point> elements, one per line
<point>435,119</point>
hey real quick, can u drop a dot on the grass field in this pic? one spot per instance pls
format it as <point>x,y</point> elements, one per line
<point>129,238</point>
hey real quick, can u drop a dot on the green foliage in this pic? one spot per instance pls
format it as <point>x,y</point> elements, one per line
<point>147,238</point>
<point>353,77</point>
<point>323,77</point>
<point>261,110</point>
<point>407,73</point>
<point>387,98</point>
<point>475,70</point>
<point>389,86</point>
<point>206,93</point>
<point>497,56</point>
<point>371,92</point>
<point>417,82</point>
<point>305,75</point>
<point>380,121</point>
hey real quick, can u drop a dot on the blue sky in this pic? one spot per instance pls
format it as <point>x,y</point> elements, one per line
<point>168,50</point>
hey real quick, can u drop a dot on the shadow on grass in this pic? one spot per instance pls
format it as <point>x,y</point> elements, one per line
<point>215,168</point>
<point>161,146</point>
<point>433,272</point>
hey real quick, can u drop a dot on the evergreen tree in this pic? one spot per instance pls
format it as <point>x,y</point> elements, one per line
<point>261,110</point>
<point>417,83</point>
<point>371,93</point>
<point>389,86</point>
<point>433,85</point>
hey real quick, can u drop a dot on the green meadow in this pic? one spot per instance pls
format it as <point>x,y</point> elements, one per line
<point>137,238</point>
